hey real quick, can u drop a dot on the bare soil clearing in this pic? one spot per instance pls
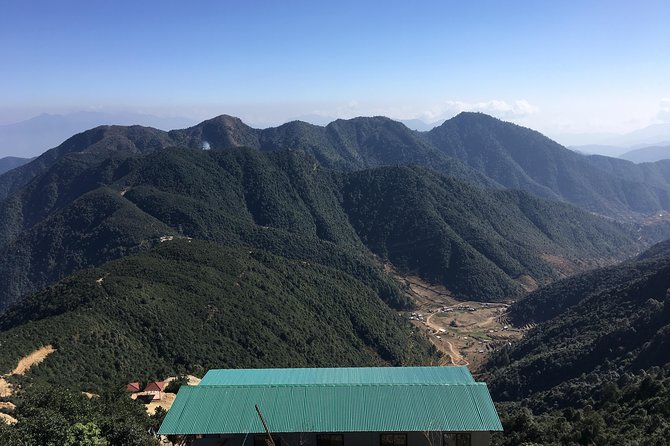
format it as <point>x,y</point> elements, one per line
<point>5,388</point>
<point>8,419</point>
<point>23,366</point>
<point>166,398</point>
<point>465,332</point>
<point>165,402</point>
<point>32,359</point>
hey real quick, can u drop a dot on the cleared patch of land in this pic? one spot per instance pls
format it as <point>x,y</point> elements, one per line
<point>23,366</point>
<point>6,405</point>
<point>166,398</point>
<point>165,402</point>
<point>32,359</point>
<point>7,418</point>
<point>5,388</point>
<point>465,332</point>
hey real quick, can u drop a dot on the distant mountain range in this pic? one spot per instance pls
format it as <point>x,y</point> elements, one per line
<point>113,191</point>
<point>610,143</point>
<point>647,154</point>
<point>34,136</point>
<point>10,162</point>
<point>471,146</point>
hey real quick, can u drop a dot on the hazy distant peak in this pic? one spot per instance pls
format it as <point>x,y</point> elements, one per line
<point>647,154</point>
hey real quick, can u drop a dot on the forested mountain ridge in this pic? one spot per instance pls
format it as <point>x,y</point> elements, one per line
<point>91,145</point>
<point>473,147</point>
<point>352,144</point>
<point>521,158</point>
<point>595,368</point>
<point>475,241</point>
<point>190,305</point>
<point>283,202</point>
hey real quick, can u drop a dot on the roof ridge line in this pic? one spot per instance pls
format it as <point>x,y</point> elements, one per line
<point>474,383</point>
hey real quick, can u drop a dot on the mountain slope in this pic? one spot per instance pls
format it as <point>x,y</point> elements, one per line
<point>94,228</point>
<point>521,158</point>
<point>599,356</point>
<point>475,242</point>
<point>33,136</point>
<point>353,144</point>
<point>189,306</point>
<point>241,197</point>
<point>473,147</point>
<point>91,145</point>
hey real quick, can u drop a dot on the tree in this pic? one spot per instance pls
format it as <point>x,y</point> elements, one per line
<point>88,434</point>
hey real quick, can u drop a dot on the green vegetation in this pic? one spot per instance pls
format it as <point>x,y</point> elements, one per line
<point>54,416</point>
<point>97,227</point>
<point>595,370</point>
<point>473,147</point>
<point>343,145</point>
<point>477,243</point>
<point>520,158</point>
<point>90,146</point>
<point>189,306</point>
<point>474,241</point>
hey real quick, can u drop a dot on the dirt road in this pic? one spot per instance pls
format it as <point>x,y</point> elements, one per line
<point>465,332</point>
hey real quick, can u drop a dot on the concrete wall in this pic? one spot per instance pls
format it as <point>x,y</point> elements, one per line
<point>350,439</point>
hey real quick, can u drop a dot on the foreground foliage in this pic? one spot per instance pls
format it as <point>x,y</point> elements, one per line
<point>56,416</point>
<point>596,370</point>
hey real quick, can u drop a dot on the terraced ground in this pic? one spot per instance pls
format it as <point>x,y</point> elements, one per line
<point>465,332</point>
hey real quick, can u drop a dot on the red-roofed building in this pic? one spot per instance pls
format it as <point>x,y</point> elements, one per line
<point>155,388</point>
<point>133,387</point>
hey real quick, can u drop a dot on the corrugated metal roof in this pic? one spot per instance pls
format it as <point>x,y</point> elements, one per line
<point>337,376</point>
<point>339,408</point>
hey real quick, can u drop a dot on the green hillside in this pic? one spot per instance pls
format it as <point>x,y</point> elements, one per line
<point>596,368</point>
<point>189,306</point>
<point>521,158</point>
<point>344,145</point>
<point>94,144</point>
<point>472,147</point>
<point>477,243</point>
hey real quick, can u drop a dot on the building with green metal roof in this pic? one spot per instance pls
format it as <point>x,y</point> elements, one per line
<point>380,406</point>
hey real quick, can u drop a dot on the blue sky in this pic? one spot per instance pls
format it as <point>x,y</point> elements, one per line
<point>560,67</point>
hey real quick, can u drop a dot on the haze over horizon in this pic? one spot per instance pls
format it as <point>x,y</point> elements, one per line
<point>565,68</point>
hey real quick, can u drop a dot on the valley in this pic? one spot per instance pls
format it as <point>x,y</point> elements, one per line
<point>464,332</point>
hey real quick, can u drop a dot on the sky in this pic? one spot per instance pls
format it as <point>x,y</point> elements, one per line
<point>559,67</point>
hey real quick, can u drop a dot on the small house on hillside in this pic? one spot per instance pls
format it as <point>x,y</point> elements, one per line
<point>373,406</point>
<point>155,389</point>
<point>133,387</point>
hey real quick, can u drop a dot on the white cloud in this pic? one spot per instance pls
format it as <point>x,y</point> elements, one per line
<point>664,110</point>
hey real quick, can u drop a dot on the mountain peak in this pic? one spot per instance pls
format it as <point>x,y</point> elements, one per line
<point>224,119</point>
<point>218,133</point>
